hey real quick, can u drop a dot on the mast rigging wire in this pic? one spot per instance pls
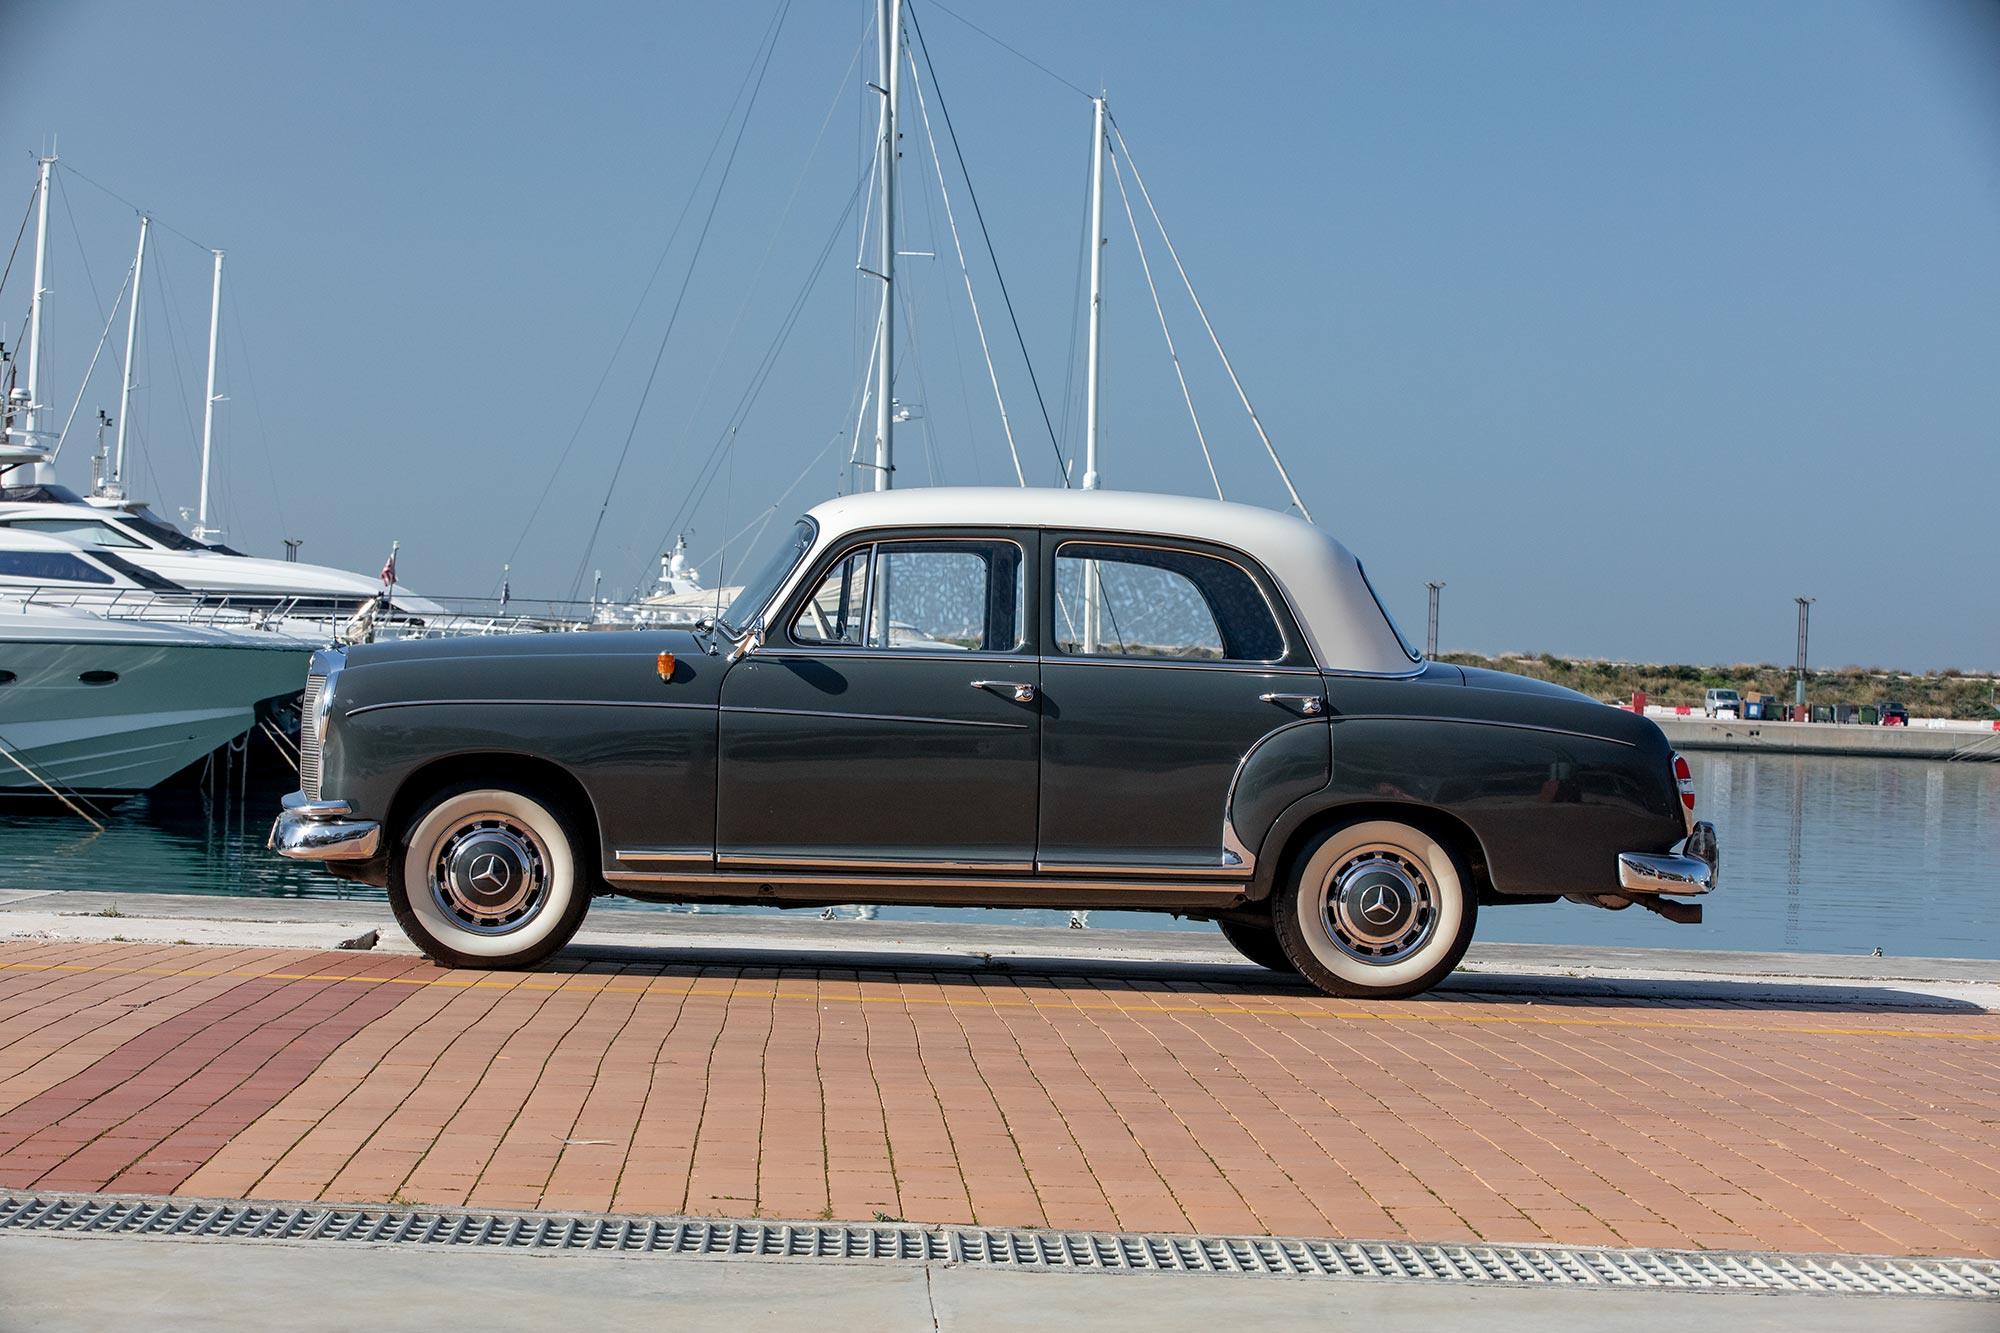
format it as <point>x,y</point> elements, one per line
<point>766,364</point>
<point>84,387</point>
<point>951,218</point>
<point>1241,393</point>
<point>1010,49</point>
<point>9,271</point>
<point>979,216</point>
<point>770,47</point>
<point>638,308</point>
<point>1146,267</point>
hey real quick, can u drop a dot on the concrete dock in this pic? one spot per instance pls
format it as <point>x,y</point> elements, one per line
<point>1831,738</point>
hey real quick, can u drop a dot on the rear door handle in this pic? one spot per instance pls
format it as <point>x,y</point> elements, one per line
<point>1312,705</point>
<point>1020,691</point>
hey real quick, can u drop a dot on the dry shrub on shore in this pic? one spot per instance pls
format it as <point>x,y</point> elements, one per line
<point>1949,693</point>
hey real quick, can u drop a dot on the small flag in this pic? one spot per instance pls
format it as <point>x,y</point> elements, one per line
<point>506,588</point>
<point>389,566</point>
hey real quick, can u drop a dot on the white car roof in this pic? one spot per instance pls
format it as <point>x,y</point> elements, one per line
<point>1345,627</point>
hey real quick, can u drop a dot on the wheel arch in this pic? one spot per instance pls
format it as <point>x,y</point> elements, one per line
<point>509,769</point>
<point>1297,828</point>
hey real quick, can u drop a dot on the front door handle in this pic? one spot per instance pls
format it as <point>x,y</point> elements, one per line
<point>1020,691</point>
<point>1312,705</point>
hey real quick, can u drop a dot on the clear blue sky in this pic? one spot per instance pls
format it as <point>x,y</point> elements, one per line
<point>1629,322</point>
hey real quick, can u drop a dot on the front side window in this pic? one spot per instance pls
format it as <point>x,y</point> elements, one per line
<point>49,567</point>
<point>1137,601</point>
<point>82,531</point>
<point>938,596</point>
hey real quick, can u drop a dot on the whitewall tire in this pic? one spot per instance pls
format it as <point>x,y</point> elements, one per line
<point>1376,909</point>
<point>489,877</point>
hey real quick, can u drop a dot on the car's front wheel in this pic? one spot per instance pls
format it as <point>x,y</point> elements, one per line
<point>1376,909</point>
<point>489,877</point>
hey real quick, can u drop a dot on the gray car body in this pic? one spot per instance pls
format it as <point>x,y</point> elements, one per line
<point>806,774</point>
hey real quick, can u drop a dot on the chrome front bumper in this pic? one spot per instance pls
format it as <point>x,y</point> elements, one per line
<point>318,831</point>
<point>1692,870</point>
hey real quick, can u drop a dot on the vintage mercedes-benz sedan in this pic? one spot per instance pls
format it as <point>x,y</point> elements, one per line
<point>998,698</point>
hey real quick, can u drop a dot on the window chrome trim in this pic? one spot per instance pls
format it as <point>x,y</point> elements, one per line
<point>1166,544</point>
<point>1178,664</point>
<point>899,655</point>
<point>875,717</point>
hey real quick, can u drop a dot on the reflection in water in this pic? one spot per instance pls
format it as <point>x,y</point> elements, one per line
<point>1821,855</point>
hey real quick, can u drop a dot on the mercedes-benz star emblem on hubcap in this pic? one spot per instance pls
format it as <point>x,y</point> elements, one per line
<point>1378,904</point>
<point>491,871</point>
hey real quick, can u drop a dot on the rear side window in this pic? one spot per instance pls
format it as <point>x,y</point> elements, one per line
<point>49,567</point>
<point>1157,602</point>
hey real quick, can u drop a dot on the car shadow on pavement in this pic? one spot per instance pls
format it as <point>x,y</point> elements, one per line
<point>1250,983</point>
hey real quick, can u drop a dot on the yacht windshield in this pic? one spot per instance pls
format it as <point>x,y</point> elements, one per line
<point>165,534</point>
<point>760,587</point>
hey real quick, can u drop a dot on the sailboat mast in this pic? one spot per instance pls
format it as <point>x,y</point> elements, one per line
<point>889,52</point>
<point>202,531</point>
<point>1096,294</point>
<point>32,435</point>
<point>131,341</point>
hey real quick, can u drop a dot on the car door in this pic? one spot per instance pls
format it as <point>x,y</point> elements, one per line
<point>1166,664</point>
<point>891,720</point>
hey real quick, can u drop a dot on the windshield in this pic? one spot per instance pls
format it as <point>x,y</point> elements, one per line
<point>760,587</point>
<point>1725,694</point>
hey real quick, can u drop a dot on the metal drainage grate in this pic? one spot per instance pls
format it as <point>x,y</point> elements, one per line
<point>1249,1256</point>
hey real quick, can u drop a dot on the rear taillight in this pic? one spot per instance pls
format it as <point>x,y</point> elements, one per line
<point>1684,779</point>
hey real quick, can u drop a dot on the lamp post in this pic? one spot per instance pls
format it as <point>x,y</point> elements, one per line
<point>1431,635</point>
<point>1805,615</point>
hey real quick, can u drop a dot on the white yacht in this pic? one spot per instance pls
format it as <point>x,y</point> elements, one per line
<point>141,538</point>
<point>102,705</point>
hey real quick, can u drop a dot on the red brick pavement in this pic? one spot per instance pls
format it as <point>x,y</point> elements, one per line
<point>1067,1101</point>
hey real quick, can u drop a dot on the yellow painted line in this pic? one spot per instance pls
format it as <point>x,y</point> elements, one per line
<point>579,982</point>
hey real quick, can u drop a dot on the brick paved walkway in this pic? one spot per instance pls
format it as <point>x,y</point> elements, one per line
<point>1067,1101</point>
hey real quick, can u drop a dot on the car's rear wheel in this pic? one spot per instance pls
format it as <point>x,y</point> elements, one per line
<point>1258,941</point>
<point>489,877</point>
<point>1376,909</point>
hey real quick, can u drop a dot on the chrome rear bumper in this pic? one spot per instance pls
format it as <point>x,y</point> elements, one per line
<point>1692,870</point>
<point>317,831</point>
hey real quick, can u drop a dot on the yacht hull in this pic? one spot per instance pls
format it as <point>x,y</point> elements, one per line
<point>122,717</point>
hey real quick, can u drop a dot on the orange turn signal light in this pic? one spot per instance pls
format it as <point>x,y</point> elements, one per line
<point>666,666</point>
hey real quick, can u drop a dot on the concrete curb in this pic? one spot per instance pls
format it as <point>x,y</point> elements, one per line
<point>1529,969</point>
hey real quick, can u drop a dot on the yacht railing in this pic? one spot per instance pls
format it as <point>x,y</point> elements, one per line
<point>301,617</point>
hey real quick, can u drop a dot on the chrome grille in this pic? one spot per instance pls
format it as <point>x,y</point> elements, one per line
<point>309,739</point>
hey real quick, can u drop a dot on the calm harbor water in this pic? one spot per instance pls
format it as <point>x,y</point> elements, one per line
<point>1820,855</point>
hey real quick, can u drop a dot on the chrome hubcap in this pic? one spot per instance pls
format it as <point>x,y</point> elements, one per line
<point>1380,907</point>
<point>490,875</point>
